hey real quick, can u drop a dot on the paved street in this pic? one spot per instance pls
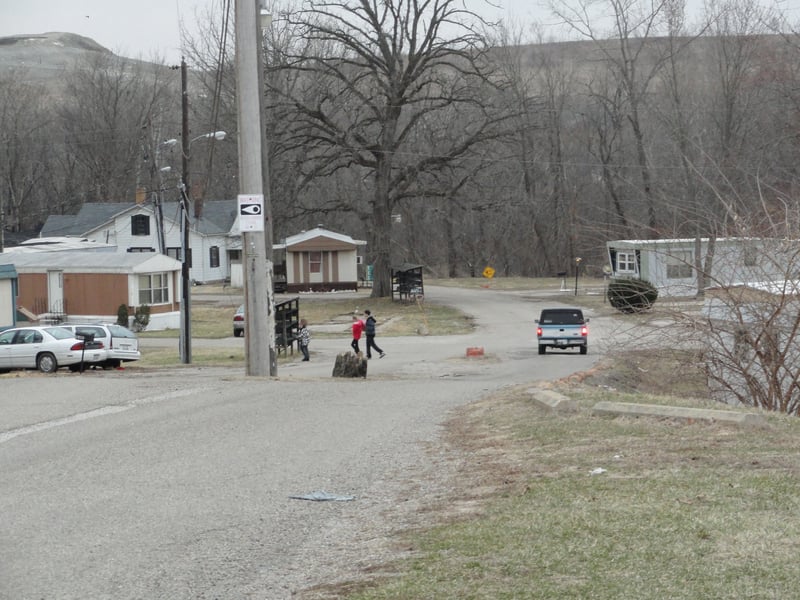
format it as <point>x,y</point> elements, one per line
<point>176,484</point>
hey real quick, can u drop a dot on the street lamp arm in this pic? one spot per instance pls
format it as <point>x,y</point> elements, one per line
<point>217,135</point>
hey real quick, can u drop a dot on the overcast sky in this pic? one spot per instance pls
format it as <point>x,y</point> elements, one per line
<point>145,28</point>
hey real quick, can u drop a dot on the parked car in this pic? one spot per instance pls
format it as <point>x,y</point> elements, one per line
<point>238,322</point>
<point>47,349</point>
<point>121,343</point>
<point>562,328</point>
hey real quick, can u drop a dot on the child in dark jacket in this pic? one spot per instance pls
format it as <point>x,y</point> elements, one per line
<point>369,331</point>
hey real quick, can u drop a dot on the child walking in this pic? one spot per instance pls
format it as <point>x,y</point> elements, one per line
<point>358,328</point>
<point>305,337</point>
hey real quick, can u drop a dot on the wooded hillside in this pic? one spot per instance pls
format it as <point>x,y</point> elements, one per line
<point>456,153</point>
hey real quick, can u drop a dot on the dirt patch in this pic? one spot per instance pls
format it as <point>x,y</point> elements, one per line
<point>661,372</point>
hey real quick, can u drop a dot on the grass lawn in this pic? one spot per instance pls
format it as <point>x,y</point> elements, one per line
<point>328,316</point>
<point>682,511</point>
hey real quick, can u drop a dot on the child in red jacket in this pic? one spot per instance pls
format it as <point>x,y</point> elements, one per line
<point>358,329</point>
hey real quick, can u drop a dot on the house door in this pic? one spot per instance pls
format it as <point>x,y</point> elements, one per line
<point>55,291</point>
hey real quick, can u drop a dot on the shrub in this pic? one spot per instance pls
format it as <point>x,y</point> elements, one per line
<point>631,295</point>
<point>141,318</point>
<point>122,315</point>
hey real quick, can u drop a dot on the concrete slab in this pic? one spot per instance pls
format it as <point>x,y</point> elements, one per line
<point>679,412</point>
<point>553,401</point>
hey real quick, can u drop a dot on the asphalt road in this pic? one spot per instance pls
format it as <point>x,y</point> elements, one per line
<point>176,484</point>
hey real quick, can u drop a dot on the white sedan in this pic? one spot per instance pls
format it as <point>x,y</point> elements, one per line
<point>46,349</point>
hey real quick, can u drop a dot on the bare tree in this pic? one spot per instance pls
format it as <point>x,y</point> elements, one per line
<point>370,84</point>
<point>25,135</point>
<point>633,63</point>
<point>108,106</point>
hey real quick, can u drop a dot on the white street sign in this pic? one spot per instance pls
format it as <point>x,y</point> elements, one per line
<point>251,212</point>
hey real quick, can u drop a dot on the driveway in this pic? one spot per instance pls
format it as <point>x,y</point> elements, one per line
<point>180,483</point>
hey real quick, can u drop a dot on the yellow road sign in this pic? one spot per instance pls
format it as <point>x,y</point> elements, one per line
<point>488,272</point>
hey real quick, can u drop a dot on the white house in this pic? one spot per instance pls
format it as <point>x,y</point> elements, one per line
<point>670,264</point>
<point>93,285</point>
<point>137,228</point>
<point>8,295</point>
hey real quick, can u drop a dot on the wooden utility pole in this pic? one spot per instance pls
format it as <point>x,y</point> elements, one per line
<point>258,294</point>
<point>186,289</point>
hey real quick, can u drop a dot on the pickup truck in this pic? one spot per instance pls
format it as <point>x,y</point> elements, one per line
<point>562,328</point>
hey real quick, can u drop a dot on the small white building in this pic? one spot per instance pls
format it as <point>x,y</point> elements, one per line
<point>670,264</point>
<point>320,260</point>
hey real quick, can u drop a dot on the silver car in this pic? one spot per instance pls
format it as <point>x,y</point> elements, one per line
<point>121,343</point>
<point>238,322</point>
<point>46,349</point>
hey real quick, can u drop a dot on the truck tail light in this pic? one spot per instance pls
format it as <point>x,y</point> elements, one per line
<point>584,331</point>
<point>539,332</point>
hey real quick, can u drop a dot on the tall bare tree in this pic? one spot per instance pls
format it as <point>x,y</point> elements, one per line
<point>25,140</point>
<point>372,82</point>
<point>109,103</point>
<point>632,61</point>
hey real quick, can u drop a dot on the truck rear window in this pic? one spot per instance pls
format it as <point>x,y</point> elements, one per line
<point>561,317</point>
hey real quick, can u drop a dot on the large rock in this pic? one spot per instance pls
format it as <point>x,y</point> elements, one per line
<point>349,364</point>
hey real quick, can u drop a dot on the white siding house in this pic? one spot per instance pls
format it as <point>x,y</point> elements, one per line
<point>133,228</point>
<point>8,295</point>
<point>670,264</point>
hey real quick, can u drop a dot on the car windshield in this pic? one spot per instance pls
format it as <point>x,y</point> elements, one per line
<point>120,331</point>
<point>60,333</point>
<point>562,317</point>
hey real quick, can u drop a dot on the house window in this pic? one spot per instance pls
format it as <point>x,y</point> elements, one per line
<point>315,262</point>
<point>679,265</point>
<point>141,249</point>
<point>213,256</point>
<point>626,262</point>
<point>140,225</point>
<point>154,288</point>
<point>175,252</point>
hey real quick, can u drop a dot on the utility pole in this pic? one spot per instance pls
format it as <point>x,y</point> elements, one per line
<point>258,293</point>
<point>186,291</point>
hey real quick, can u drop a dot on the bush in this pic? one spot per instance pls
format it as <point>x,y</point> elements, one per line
<point>631,295</point>
<point>141,318</point>
<point>122,315</point>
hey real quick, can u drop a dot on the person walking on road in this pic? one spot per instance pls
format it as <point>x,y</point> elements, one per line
<point>369,331</point>
<point>305,337</point>
<point>358,328</point>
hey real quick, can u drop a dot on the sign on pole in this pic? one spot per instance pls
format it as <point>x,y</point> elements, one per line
<point>251,212</point>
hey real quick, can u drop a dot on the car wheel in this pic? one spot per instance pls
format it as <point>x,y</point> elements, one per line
<point>46,363</point>
<point>237,333</point>
<point>542,348</point>
<point>584,349</point>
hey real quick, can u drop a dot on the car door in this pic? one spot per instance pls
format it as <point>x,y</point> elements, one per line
<point>6,339</point>
<point>24,347</point>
